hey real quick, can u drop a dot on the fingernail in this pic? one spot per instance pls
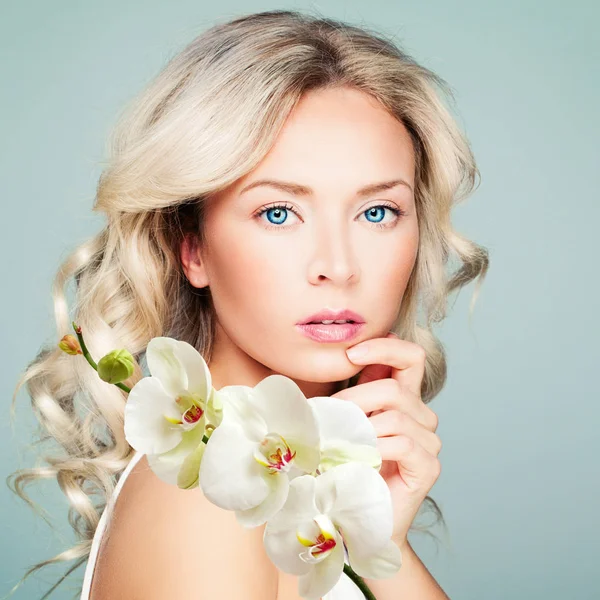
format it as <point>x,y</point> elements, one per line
<point>357,351</point>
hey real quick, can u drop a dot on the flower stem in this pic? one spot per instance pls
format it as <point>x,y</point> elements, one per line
<point>359,581</point>
<point>89,358</point>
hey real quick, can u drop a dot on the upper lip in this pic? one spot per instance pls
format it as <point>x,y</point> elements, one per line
<point>333,315</point>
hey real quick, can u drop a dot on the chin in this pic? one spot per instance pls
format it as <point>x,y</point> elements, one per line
<point>320,369</point>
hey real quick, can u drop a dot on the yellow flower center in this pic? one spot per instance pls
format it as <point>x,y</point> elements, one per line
<point>192,410</point>
<point>318,538</point>
<point>274,453</point>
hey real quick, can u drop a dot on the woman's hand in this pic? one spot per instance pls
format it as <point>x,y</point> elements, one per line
<point>389,392</point>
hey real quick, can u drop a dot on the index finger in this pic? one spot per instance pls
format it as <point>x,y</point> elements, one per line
<point>406,360</point>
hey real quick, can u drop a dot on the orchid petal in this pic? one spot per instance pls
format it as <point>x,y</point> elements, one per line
<point>230,477</point>
<point>168,464</point>
<point>165,364</point>
<point>379,565</point>
<point>238,405</point>
<point>288,413</point>
<point>363,505</point>
<point>326,494</point>
<point>146,428</point>
<point>294,472</point>
<point>307,453</point>
<point>343,420</point>
<point>166,470</point>
<point>286,407</point>
<point>324,575</point>
<point>198,376</point>
<point>308,531</point>
<point>214,408</point>
<point>189,474</point>
<point>279,484</point>
<point>280,540</point>
<point>338,452</point>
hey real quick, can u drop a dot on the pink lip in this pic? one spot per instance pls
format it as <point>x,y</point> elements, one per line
<point>333,315</point>
<point>330,333</point>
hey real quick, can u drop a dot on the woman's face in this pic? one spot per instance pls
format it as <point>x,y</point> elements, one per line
<point>274,257</point>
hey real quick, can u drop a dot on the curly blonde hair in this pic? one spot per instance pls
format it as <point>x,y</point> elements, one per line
<point>207,119</point>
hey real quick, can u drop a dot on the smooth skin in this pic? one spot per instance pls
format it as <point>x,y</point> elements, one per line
<point>272,258</point>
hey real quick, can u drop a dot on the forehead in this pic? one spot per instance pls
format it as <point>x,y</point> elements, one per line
<point>337,139</point>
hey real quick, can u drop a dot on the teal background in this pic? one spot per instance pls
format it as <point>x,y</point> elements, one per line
<point>519,414</point>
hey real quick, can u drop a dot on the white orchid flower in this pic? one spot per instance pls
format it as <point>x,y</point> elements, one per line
<point>348,507</point>
<point>166,413</point>
<point>346,433</point>
<point>267,437</point>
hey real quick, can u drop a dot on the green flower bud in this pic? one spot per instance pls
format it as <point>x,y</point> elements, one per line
<point>116,366</point>
<point>70,344</point>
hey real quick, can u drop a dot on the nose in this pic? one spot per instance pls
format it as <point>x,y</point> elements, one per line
<point>333,257</point>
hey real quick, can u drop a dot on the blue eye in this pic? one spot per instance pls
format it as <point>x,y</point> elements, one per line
<point>376,209</point>
<point>378,212</point>
<point>277,214</point>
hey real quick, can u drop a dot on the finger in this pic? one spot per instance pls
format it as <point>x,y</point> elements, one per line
<point>395,422</point>
<point>375,397</point>
<point>406,359</point>
<point>374,372</point>
<point>417,467</point>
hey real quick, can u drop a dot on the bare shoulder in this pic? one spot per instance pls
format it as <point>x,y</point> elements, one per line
<point>165,542</point>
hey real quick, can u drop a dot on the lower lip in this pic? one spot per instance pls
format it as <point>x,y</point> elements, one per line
<point>330,333</point>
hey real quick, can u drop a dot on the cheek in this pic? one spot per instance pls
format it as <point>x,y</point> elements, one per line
<point>388,267</point>
<point>399,272</point>
<point>248,275</point>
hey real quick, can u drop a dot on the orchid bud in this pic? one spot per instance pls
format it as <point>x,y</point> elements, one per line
<point>70,344</point>
<point>116,366</point>
<point>208,430</point>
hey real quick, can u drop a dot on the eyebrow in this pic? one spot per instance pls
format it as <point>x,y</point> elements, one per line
<point>301,190</point>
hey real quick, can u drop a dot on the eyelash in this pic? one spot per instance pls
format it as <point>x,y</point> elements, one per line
<point>396,211</point>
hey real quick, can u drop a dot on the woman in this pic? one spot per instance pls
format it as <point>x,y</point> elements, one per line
<point>281,169</point>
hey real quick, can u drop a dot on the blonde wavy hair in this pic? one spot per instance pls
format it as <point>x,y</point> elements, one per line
<point>207,119</point>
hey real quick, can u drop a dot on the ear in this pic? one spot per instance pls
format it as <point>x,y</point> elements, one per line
<point>192,263</point>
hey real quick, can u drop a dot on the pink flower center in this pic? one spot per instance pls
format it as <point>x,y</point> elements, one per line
<point>318,537</point>
<point>191,411</point>
<point>193,414</point>
<point>274,453</point>
<point>322,545</point>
